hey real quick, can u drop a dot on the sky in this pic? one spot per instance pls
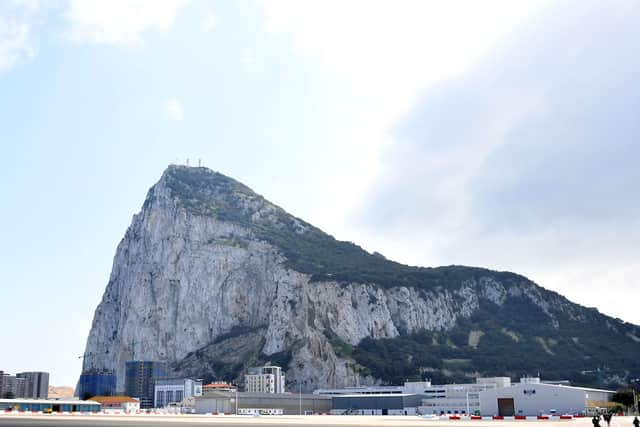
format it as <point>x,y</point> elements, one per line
<point>498,134</point>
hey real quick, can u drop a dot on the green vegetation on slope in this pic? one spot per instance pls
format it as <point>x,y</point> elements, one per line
<point>311,251</point>
<point>584,355</point>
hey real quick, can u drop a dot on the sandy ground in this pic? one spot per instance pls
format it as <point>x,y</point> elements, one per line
<point>292,420</point>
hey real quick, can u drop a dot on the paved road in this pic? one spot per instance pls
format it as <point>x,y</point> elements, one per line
<point>107,423</point>
<point>290,421</point>
<point>57,421</point>
<point>17,422</point>
<point>195,421</point>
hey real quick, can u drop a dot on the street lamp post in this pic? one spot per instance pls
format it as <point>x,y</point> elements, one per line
<point>468,414</point>
<point>300,398</point>
<point>635,382</point>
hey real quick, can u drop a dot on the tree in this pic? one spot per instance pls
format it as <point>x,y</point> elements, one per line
<point>624,397</point>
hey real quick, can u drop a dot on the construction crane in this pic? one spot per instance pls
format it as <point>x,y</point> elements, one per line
<point>89,356</point>
<point>132,347</point>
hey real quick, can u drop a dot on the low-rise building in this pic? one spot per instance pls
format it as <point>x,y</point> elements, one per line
<point>264,379</point>
<point>375,404</point>
<point>49,405</point>
<point>171,391</point>
<point>124,404</point>
<point>263,403</point>
<point>216,402</point>
<point>532,397</point>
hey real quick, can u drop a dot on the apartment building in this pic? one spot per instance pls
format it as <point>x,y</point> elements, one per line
<point>264,379</point>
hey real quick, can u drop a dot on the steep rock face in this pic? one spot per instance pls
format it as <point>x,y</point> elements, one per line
<point>210,277</point>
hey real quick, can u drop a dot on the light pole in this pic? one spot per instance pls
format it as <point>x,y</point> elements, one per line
<point>634,382</point>
<point>236,400</point>
<point>468,414</point>
<point>300,398</point>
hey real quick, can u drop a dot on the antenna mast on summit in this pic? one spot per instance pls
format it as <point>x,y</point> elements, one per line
<point>187,162</point>
<point>199,163</point>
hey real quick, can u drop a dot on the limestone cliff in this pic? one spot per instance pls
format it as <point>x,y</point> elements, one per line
<point>211,277</point>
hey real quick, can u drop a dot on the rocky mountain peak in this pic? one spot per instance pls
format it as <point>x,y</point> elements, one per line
<point>202,191</point>
<point>211,278</point>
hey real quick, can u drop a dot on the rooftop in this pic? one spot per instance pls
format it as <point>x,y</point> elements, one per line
<point>50,401</point>
<point>384,395</point>
<point>109,400</point>
<point>218,385</point>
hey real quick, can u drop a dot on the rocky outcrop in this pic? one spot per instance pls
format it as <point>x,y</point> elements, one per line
<point>200,281</point>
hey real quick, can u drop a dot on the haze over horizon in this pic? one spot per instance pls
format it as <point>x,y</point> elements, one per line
<point>498,135</point>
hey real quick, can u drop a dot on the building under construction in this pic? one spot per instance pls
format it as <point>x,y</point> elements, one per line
<point>140,378</point>
<point>96,382</point>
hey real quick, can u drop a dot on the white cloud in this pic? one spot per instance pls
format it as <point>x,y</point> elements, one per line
<point>395,48</point>
<point>388,52</point>
<point>210,22</point>
<point>16,28</point>
<point>173,110</point>
<point>29,6</point>
<point>527,162</point>
<point>120,22</point>
<point>436,184</point>
<point>14,42</point>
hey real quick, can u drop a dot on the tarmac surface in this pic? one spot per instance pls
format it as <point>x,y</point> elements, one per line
<point>52,420</point>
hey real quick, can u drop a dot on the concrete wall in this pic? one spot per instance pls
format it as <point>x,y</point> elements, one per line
<point>208,405</point>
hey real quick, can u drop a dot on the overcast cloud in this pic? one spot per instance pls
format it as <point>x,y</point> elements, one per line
<point>529,161</point>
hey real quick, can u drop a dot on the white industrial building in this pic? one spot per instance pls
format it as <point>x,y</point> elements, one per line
<point>434,399</point>
<point>531,397</point>
<point>264,379</point>
<point>456,398</point>
<point>172,391</point>
<point>487,396</point>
